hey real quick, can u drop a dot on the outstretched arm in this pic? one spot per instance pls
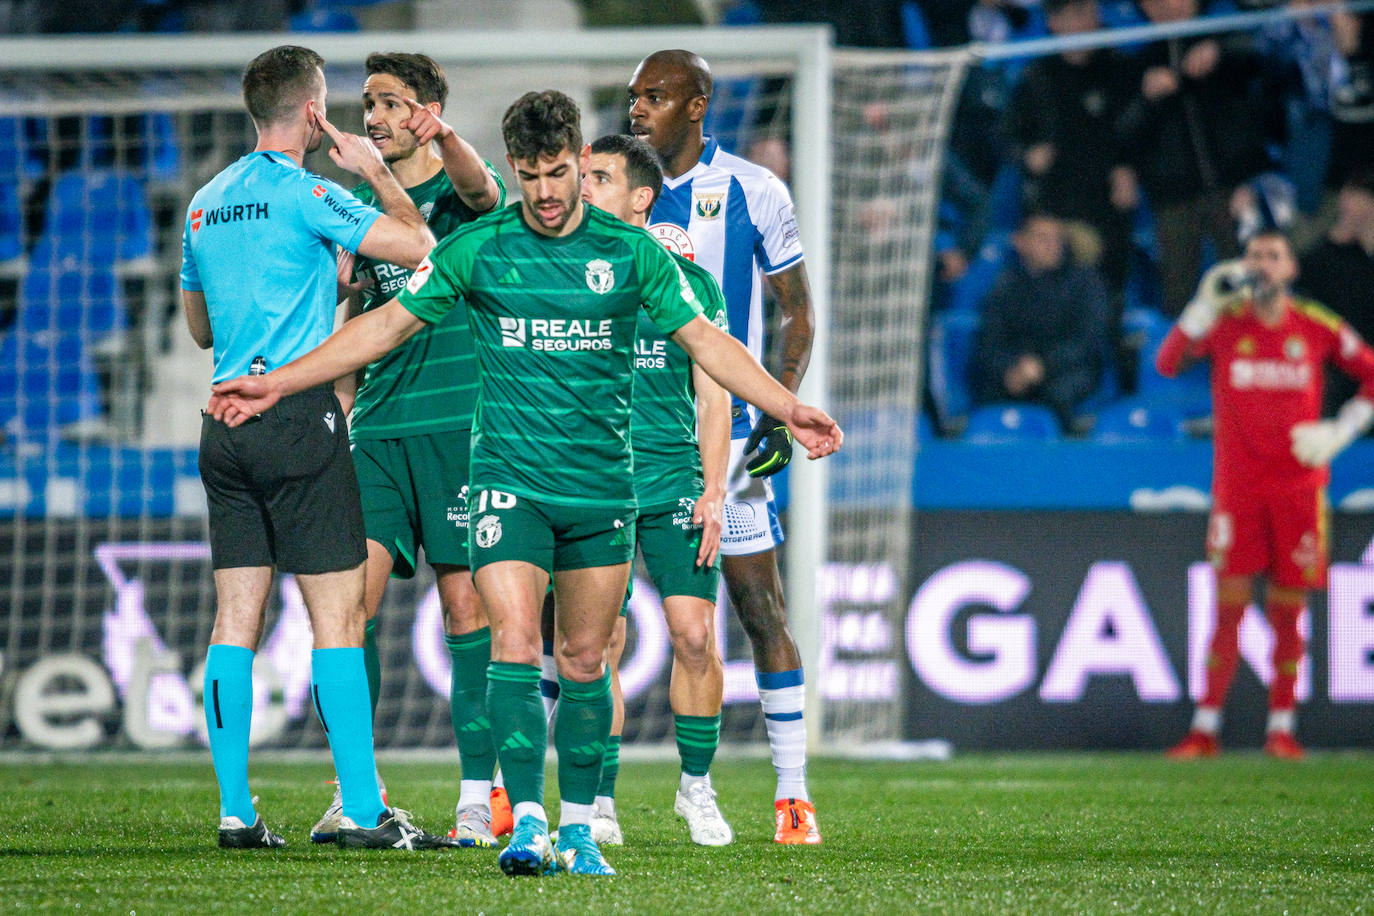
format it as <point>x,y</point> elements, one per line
<point>357,343</point>
<point>729,363</point>
<point>465,169</point>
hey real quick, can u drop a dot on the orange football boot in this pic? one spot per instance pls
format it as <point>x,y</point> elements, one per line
<point>1194,745</point>
<point>796,823</point>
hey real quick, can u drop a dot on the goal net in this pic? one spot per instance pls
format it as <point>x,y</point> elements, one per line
<point>104,563</point>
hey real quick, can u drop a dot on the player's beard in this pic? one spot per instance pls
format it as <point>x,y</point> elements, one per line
<point>562,219</point>
<point>396,151</point>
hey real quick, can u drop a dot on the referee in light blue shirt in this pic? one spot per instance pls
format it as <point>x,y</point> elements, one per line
<point>258,285</point>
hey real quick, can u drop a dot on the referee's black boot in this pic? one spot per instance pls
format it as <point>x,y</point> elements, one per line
<point>234,835</point>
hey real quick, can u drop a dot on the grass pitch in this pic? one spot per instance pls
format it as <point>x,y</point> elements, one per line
<point>978,834</point>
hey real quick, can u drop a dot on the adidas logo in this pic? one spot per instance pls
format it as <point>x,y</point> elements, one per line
<point>511,278</point>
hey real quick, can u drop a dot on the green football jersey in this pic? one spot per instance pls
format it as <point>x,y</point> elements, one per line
<point>429,383</point>
<point>554,322</point>
<point>663,419</point>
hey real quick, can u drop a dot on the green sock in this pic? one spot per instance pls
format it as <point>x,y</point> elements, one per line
<point>697,739</point>
<point>471,653</point>
<point>582,734</point>
<point>518,728</point>
<point>610,768</point>
<point>372,663</point>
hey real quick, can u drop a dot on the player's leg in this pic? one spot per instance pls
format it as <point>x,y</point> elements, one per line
<point>1300,523</point>
<point>467,633</point>
<point>605,822</point>
<point>588,602</point>
<point>750,566</point>
<point>1238,546</point>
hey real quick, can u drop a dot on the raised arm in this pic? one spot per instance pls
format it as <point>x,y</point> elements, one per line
<point>400,234</point>
<point>729,363</point>
<point>465,169</point>
<point>357,343</point>
<point>713,442</point>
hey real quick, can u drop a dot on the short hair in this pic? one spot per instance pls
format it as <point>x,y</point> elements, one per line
<point>643,168</point>
<point>278,80</point>
<point>542,124</point>
<point>1270,232</point>
<point>691,65</point>
<point>418,71</point>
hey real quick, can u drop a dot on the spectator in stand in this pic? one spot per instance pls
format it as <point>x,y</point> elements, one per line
<point>1062,120</point>
<point>1340,270</point>
<point>1044,326</point>
<point>1352,105</point>
<point>1196,135</point>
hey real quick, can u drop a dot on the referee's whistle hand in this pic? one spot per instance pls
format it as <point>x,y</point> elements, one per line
<point>235,401</point>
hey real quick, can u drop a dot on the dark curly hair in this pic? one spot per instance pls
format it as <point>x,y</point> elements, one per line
<point>541,124</point>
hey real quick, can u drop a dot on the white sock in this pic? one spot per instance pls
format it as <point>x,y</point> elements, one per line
<point>500,781</point>
<point>783,695</point>
<point>1282,720</point>
<point>1207,720</point>
<point>687,780</point>
<point>570,814</point>
<point>605,806</point>
<point>528,809</point>
<point>548,682</point>
<point>474,793</point>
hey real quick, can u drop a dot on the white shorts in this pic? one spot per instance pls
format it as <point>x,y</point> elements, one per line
<point>750,516</point>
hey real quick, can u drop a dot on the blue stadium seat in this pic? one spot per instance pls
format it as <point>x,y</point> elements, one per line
<point>11,221</point>
<point>46,382</point>
<point>100,215</point>
<point>162,155</point>
<point>968,292</point>
<point>950,352</point>
<point>1004,198</point>
<point>324,20</point>
<point>1135,421</point>
<point>18,162</point>
<point>1189,392</point>
<point>1011,423</point>
<point>64,294</point>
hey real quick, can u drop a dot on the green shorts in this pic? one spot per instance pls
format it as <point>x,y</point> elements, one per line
<point>551,536</point>
<point>415,493</point>
<point>669,542</point>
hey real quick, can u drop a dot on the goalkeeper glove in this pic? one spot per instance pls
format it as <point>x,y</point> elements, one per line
<point>776,452</point>
<point>1315,444</point>
<point>1221,287</point>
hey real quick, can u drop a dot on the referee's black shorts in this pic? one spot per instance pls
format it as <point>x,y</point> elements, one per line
<point>281,488</point>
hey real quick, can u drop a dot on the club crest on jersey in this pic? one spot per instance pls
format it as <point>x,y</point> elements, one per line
<point>426,209</point>
<point>1294,348</point>
<point>600,276</point>
<point>488,531</point>
<point>675,239</point>
<point>708,205</point>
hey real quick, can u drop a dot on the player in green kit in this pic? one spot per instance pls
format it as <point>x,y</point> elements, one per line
<point>412,416</point>
<point>553,289</point>
<point>681,451</point>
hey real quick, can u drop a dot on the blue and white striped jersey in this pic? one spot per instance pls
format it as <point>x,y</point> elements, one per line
<point>736,219</point>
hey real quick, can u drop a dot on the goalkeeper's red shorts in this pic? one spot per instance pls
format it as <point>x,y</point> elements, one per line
<point>1280,534</point>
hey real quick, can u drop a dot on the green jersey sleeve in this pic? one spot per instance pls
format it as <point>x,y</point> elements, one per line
<point>441,281</point>
<point>667,296</point>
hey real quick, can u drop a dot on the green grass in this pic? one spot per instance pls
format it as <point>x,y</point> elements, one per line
<point>980,833</point>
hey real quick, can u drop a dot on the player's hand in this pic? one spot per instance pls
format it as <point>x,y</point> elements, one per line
<point>237,400</point>
<point>706,515</point>
<point>816,432</point>
<point>351,152</point>
<point>1221,287</point>
<point>425,124</point>
<point>1316,443</point>
<point>776,451</point>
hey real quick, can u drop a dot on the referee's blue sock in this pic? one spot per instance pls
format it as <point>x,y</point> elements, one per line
<point>228,715</point>
<point>338,686</point>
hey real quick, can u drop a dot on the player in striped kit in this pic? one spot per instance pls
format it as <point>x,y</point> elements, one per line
<point>736,219</point>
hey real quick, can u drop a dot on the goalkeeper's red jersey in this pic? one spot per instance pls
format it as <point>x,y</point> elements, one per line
<point>1264,381</point>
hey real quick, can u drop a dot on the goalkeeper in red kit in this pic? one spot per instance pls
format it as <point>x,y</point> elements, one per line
<point>1270,462</point>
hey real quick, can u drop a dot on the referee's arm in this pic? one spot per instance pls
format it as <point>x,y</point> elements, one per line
<point>197,318</point>
<point>359,342</point>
